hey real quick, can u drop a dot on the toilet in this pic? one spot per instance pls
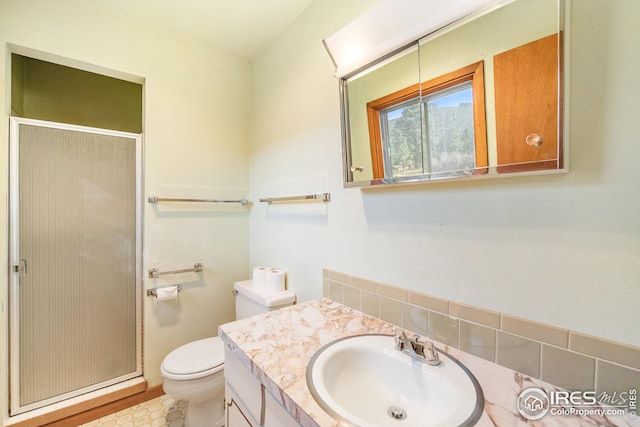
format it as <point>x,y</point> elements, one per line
<point>194,372</point>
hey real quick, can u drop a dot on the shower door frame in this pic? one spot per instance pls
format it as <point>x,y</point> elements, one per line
<point>15,407</point>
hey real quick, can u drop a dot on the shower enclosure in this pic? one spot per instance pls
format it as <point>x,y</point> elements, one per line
<point>75,254</point>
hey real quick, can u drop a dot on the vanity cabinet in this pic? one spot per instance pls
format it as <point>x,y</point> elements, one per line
<point>235,415</point>
<point>249,404</point>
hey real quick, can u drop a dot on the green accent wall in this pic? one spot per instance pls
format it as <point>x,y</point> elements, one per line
<point>46,91</point>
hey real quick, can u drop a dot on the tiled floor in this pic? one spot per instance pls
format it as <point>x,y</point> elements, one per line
<point>163,411</point>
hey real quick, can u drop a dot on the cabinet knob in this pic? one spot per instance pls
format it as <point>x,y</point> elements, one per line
<point>357,168</point>
<point>534,140</point>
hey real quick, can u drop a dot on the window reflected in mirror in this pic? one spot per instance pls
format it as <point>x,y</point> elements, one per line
<point>436,126</point>
<point>449,136</point>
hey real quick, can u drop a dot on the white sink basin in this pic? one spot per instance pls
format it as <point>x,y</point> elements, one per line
<point>365,381</point>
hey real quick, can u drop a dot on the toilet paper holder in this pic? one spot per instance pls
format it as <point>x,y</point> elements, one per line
<point>153,292</point>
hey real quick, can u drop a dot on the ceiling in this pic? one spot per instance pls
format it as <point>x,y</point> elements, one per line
<point>242,27</point>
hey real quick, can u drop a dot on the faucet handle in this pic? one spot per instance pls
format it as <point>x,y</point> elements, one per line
<point>401,340</point>
<point>431,354</point>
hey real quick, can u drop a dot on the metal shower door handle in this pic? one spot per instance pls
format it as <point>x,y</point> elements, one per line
<point>21,267</point>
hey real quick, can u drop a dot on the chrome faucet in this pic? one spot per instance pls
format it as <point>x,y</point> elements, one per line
<point>422,350</point>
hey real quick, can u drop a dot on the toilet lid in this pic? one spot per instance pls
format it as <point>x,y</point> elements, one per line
<point>194,357</point>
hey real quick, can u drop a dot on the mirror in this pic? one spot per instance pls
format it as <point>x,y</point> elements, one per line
<point>481,97</point>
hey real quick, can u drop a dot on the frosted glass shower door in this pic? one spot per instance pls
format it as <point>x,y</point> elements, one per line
<point>75,255</point>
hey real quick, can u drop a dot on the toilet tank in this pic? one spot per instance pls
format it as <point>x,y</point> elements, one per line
<point>252,300</point>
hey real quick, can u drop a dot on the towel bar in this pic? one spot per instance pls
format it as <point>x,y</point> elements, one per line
<point>155,272</point>
<point>325,197</point>
<point>155,200</point>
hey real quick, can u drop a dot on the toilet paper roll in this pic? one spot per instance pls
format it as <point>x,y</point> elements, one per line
<point>274,280</point>
<point>259,276</point>
<point>167,293</point>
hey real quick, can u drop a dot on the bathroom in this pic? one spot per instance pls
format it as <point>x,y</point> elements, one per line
<point>562,249</point>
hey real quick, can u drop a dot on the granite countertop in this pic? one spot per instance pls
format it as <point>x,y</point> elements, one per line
<point>276,347</point>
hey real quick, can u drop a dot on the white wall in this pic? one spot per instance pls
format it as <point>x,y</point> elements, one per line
<point>197,111</point>
<point>559,249</point>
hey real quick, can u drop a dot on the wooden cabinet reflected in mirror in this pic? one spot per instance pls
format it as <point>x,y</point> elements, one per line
<point>526,99</point>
